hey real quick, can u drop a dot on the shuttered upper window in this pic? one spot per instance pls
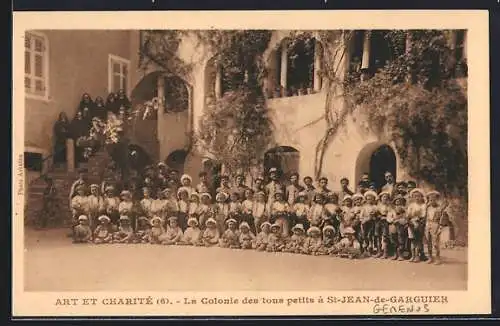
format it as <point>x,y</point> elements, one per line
<point>36,65</point>
<point>118,76</point>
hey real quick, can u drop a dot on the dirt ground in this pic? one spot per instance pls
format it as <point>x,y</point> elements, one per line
<point>53,263</point>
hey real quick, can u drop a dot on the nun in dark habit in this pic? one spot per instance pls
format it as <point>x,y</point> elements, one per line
<point>100,109</point>
<point>112,104</point>
<point>86,107</point>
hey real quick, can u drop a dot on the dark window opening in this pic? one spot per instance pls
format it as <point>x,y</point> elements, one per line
<point>380,51</point>
<point>33,161</point>
<point>300,72</point>
<point>356,51</point>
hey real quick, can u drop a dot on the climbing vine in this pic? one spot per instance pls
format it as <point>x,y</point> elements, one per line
<point>236,129</point>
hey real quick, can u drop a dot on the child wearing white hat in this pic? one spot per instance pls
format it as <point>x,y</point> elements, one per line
<point>110,204</point>
<point>275,241</point>
<point>94,204</point>
<point>259,211</point>
<point>329,240</point>
<point>142,230</point>
<point>125,233</point>
<point>301,210</point>
<point>357,200</point>
<point>246,238</point>
<point>194,203</point>
<point>146,202</point>
<point>280,212</point>
<point>157,230</point>
<point>382,229</point>
<point>369,215</point>
<point>183,202</point>
<point>186,183</point>
<point>435,216</point>
<point>235,205</point>
<point>332,211</point>
<point>347,215</point>
<point>349,247</point>
<point>316,213</point>
<point>103,232</point>
<point>204,210</point>
<point>79,204</point>
<point>173,234</point>
<point>221,210</point>
<point>82,232</point>
<point>416,215</point>
<point>229,238</point>
<point>313,242</point>
<point>399,233</point>
<point>192,234</point>
<point>297,239</point>
<point>126,206</point>
<point>247,209</point>
<point>263,236</point>
<point>211,234</point>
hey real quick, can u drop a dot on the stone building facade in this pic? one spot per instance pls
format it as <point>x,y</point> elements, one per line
<point>74,62</point>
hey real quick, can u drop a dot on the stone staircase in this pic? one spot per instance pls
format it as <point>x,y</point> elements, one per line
<point>62,181</point>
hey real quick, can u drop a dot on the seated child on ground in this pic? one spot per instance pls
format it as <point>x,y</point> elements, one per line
<point>82,233</point>
<point>349,247</point>
<point>229,238</point>
<point>192,234</point>
<point>329,235</point>
<point>313,242</point>
<point>173,234</point>
<point>263,236</point>
<point>275,241</point>
<point>296,240</point>
<point>157,230</point>
<point>142,230</point>
<point>246,238</point>
<point>103,232</point>
<point>210,236</point>
<point>125,233</point>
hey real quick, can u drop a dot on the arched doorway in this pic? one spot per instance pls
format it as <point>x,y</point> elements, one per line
<point>285,158</point>
<point>375,159</point>
<point>176,160</point>
<point>382,160</point>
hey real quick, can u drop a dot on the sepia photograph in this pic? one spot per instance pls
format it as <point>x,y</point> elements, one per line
<point>246,159</point>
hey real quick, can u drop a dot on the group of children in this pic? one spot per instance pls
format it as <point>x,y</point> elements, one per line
<point>267,218</point>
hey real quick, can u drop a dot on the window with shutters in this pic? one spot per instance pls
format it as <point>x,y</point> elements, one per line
<point>36,65</point>
<point>118,74</point>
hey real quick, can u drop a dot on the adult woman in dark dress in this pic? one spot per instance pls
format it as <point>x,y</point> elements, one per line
<point>111,103</point>
<point>122,100</point>
<point>61,133</point>
<point>86,107</point>
<point>79,128</point>
<point>99,109</point>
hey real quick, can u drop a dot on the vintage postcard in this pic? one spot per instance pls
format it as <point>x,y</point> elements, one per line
<point>251,163</point>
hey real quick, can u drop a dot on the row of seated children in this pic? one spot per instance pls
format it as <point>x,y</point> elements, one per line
<point>270,238</point>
